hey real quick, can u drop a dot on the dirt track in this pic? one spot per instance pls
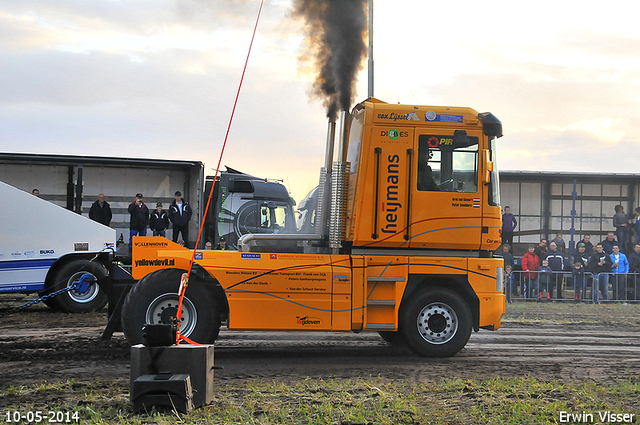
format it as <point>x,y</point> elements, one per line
<point>548,341</point>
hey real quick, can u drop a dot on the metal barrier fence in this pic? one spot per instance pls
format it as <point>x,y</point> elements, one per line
<point>533,286</point>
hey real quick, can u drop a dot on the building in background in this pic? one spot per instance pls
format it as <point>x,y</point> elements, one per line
<point>543,204</point>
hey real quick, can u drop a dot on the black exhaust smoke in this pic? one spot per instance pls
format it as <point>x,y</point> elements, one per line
<point>336,31</point>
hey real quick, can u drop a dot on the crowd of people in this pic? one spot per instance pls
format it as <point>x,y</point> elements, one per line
<point>547,266</point>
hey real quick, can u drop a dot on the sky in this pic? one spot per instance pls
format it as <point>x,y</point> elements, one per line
<point>133,78</point>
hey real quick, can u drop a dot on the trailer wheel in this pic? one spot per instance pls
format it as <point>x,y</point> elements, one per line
<point>392,337</point>
<point>78,301</point>
<point>154,299</point>
<point>437,323</point>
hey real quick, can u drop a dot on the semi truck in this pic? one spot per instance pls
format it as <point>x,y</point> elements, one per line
<point>45,248</point>
<point>400,242</point>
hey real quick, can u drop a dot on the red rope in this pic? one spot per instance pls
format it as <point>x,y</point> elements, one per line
<point>185,281</point>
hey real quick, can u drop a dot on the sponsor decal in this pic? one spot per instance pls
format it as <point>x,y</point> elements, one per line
<point>198,256</point>
<point>341,278</point>
<point>155,262</point>
<point>476,202</point>
<point>308,321</point>
<point>432,116</point>
<point>47,252</point>
<point>16,254</point>
<point>29,254</point>
<point>81,246</point>
<point>412,116</point>
<point>274,256</point>
<point>394,134</point>
<point>150,244</point>
<point>250,256</point>
<point>391,206</point>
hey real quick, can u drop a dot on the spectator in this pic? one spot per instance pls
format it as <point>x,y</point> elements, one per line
<point>35,192</point>
<point>101,211</point>
<point>139,218</point>
<point>556,264</point>
<point>508,282</point>
<point>636,240</point>
<point>581,254</point>
<point>559,242</point>
<point>180,214</point>
<point>545,279</point>
<point>634,259</point>
<point>609,242</point>
<point>541,250</point>
<point>600,264</point>
<point>207,246</point>
<point>620,268</point>
<point>587,244</point>
<point>530,265</point>
<point>507,256</point>
<point>159,221</point>
<point>222,245</point>
<point>509,224</point>
<point>578,280</point>
<point>620,222</point>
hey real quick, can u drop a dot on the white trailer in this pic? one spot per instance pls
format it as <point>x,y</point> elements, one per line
<point>44,248</point>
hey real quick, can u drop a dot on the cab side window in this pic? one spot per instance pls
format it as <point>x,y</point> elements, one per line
<point>448,163</point>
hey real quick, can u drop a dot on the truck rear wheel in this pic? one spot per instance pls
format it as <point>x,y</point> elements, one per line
<point>154,299</point>
<point>80,300</point>
<point>437,323</point>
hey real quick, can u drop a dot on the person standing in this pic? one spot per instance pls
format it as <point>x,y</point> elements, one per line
<point>530,266</point>
<point>139,218</point>
<point>620,222</point>
<point>588,246</point>
<point>620,268</point>
<point>509,224</point>
<point>101,211</point>
<point>609,242</point>
<point>180,214</point>
<point>556,264</point>
<point>159,221</point>
<point>600,264</point>
<point>541,250</point>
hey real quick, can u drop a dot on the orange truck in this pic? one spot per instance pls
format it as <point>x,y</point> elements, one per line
<point>406,223</point>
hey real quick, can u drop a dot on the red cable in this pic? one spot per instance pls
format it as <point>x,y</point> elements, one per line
<point>183,285</point>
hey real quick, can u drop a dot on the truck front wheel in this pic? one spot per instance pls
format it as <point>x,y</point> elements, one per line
<point>437,323</point>
<point>154,299</point>
<point>84,299</point>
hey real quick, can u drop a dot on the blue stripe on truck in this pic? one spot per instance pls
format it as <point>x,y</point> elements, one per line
<point>23,275</point>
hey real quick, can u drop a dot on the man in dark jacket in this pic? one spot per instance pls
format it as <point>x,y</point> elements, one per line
<point>180,214</point>
<point>101,211</point>
<point>609,242</point>
<point>556,264</point>
<point>600,264</point>
<point>139,218</point>
<point>159,221</point>
<point>509,224</point>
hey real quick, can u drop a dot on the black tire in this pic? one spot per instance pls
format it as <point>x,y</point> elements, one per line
<point>392,337</point>
<point>75,301</point>
<point>437,323</point>
<point>154,299</point>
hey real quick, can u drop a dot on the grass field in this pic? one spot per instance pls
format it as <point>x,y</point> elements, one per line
<point>468,400</point>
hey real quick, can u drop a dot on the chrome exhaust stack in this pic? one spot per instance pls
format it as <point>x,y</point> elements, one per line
<point>339,188</point>
<point>324,185</point>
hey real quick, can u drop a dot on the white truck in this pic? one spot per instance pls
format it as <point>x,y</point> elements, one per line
<point>45,247</point>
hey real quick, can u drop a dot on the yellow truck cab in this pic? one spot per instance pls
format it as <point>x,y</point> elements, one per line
<point>407,220</point>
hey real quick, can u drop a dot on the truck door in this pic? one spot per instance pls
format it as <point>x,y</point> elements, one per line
<point>446,199</point>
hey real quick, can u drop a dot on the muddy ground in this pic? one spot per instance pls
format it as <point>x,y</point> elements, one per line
<point>547,341</point>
